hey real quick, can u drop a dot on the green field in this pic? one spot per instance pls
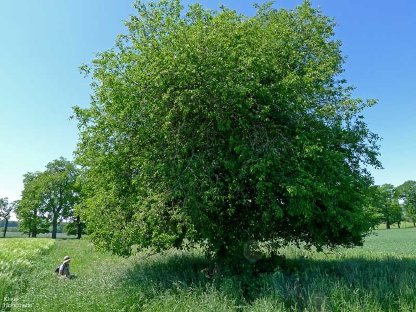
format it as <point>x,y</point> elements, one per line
<point>16,262</point>
<point>381,276</point>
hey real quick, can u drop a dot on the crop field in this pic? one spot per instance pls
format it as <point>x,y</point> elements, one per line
<point>15,264</point>
<point>381,276</point>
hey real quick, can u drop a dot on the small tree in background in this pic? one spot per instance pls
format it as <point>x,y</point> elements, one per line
<point>388,204</point>
<point>30,209</point>
<point>76,226</point>
<point>407,193</point>
<point>373,206</point>
<point>6,209</point>
<point>59,191</point>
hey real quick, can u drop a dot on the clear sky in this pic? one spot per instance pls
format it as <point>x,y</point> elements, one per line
<point>43,42</point>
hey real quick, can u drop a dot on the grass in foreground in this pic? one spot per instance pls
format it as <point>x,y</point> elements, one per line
<point>379,277</point>
<point>15,264</point>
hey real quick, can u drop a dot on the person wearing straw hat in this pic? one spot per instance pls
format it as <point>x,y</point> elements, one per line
<point>64,268</point>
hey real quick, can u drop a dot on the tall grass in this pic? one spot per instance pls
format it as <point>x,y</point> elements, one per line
<point>381,276</point>
<point>16,256</point>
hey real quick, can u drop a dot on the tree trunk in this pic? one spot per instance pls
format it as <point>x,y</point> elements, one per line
<point>398,225</point>
<point>388,225</point>
<point>34,224</point>
<point>54,225</point>
<point>414,223</point>
<point>34,231</point>
<point>5,227</point>
<point>79,228</point>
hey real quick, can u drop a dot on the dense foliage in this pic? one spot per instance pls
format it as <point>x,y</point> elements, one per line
<point>222,129</point>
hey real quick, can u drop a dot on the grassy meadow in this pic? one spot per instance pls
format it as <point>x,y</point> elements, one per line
<point>381,276</point>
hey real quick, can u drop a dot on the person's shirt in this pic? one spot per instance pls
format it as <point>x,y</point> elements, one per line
<point>64,269</point>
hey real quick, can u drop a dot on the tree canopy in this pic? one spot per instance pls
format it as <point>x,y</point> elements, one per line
<point>216,128</point>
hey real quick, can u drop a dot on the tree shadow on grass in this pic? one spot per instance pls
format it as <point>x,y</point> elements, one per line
<point>350,284</point>
<point>353,284</point>
<point>168,270</point>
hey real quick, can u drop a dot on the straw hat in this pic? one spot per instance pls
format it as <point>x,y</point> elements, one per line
<point>67,259</point>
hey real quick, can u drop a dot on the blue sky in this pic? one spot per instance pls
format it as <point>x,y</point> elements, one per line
<point>43,42</point>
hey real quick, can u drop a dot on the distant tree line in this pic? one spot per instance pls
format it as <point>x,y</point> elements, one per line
<point>392,205</point>
<point>50,198</point>
<point>14,226</point>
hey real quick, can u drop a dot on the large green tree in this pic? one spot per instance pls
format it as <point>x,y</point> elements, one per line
<point>224,129</point>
